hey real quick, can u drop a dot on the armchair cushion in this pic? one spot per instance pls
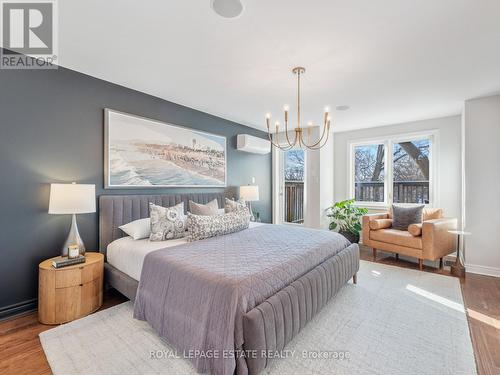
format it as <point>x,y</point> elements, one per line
<point>403,216</point>
<point>415,229</point>
<point>380,224</point>
<point>396,237</point>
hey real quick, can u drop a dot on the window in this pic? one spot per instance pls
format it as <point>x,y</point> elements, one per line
<point>403,175</point>
<point>294,176</point>
<point>410,162</point>
<point>369,173</point>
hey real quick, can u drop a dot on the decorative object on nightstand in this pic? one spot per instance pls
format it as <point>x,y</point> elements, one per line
<point>458,269</point>
<point>69,293</point>
<point>59,262</point>
<point>250,193</point>
<point>73,251</point>
<point>72,199</point>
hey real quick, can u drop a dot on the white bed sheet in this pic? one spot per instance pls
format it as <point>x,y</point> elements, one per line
<point>127,254</point>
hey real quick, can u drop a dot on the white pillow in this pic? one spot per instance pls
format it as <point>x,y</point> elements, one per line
<point>138,229</point>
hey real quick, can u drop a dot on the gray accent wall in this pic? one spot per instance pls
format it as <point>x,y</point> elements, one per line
<point>51,130</point>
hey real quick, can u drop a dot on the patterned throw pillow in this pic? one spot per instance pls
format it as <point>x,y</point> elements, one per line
<point>403,216</point>
<point>200,227</point>
<point>167,223</point>
<point>211,208</point>
<point>231,205</point>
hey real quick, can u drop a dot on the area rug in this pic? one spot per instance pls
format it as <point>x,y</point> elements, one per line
<point>394,321</point>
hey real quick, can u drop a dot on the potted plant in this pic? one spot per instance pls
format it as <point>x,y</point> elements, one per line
<point>346,218</point>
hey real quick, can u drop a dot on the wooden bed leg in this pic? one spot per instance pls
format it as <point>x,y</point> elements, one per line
<point>355,278</point>
<point>397,256</point>
<point>374,254</point>
<point>441,263</point>
<point>420,264</point>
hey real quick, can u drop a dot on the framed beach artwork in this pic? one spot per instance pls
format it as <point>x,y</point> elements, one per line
<point>144,153</point>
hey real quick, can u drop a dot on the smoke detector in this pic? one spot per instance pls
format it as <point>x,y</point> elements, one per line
<point>227,8</point>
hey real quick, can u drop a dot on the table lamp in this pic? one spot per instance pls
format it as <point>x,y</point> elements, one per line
<point>72,199</point>
<point>249,193</point>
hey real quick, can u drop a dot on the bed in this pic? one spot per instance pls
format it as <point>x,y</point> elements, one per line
<point>238,298</point>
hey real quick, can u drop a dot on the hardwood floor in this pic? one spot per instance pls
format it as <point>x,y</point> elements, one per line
<point>21,352</point>
<point>20,349</point>
<point>482,299</point>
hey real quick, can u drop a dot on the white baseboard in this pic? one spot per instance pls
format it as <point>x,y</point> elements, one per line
<point>482,270</point>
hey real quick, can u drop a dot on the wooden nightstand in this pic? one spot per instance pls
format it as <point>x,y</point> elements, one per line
<point>69,293</point>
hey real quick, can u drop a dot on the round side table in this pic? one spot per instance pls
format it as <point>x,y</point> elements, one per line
<point>69,293</point>
<point>458,268</point>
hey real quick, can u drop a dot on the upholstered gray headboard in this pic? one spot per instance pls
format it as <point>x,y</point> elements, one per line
<point>116,210</point>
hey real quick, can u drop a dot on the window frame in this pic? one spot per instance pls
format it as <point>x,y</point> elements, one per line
<point>388,142</point>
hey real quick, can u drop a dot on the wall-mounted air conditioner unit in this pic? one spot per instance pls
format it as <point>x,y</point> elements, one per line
<point>254,145</point>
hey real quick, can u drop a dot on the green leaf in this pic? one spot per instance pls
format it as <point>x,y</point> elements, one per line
<point>346,216</point>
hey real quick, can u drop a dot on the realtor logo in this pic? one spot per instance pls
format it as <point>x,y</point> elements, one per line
<point>28,34</point>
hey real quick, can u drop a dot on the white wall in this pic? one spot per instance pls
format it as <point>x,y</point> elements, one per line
<point>482,184</point>
<point>449,158</point>
<point>319,185</point>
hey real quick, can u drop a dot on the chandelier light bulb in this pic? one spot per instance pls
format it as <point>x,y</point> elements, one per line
<point>327,109</point>
<point>286,108</point>
<point>268,116</point>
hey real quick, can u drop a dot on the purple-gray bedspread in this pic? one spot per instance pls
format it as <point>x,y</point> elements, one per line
<point>195,295</point>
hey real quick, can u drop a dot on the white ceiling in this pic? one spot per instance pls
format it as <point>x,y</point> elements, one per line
<point>391,60</point>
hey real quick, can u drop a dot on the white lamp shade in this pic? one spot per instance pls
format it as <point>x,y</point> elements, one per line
<point>249,193</point>
<point>72,198</point>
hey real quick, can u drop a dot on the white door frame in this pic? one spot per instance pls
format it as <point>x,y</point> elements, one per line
<point>278,187</point>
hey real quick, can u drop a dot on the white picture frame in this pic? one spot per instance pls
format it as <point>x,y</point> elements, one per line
<point>142,153</point>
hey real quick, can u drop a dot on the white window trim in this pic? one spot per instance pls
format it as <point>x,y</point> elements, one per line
<point>388,142</point>
<point>276,185</point>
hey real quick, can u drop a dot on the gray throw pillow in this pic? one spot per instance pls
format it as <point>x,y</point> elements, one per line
<point>231,205</point>
<point>200,227</point>
<point>403,216</point>
<point>167,223</point>
<point>211,208</point>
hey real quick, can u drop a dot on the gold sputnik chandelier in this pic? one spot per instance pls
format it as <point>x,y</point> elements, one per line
<point>298,140</point>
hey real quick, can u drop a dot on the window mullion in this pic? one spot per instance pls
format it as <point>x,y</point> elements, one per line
<point>389,171</point>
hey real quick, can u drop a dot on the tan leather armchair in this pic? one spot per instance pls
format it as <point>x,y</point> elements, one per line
<point>429,240</point>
